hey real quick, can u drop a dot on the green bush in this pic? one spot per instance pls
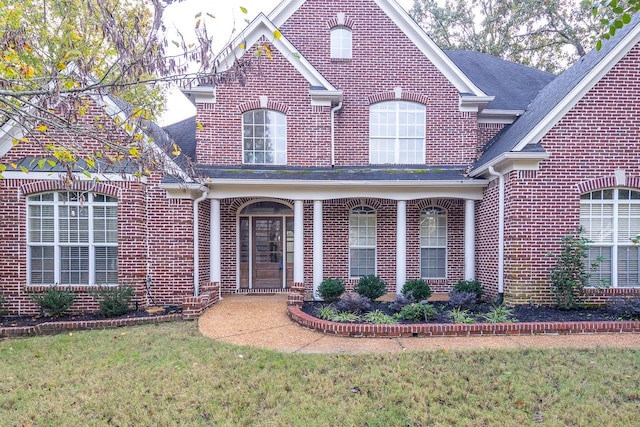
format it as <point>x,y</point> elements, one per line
<point>378,317</point>
<point>499,314</point>
<point>461,316</point>
<point>371,286</point>
<point>419,289</point>
<point>2,310</point>
<point>470,286</point>
<point>54,301</point>
<point>113,300</point>
<point>331,289</point>
<point>417,312</point>
<point>570,276</point>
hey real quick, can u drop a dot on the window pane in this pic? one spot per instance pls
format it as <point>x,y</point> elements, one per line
<point>264,137</point>
<point>341,42</point>
<point>433,263</point>
<point>106,259</point>
<point>42,263</point>
<point>41,224</point>
<point>74,265</point>
<point>599,266</point>
<point>433,242</point>
<point>397,133</point>
<point>628,262</point>
<point>363,262</point>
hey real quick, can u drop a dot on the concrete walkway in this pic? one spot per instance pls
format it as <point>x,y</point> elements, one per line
<point>261,321</point>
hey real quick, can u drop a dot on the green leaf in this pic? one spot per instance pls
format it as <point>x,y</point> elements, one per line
<point>41,163</point>
<point>243,9</point>
<point>599,45</point>
<point>86,173</point>
<point>198,15</point>
<point>626,18</point>
<point>277,34</point>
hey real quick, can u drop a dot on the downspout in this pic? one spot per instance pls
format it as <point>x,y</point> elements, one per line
<point>333,133</point>
<point>500,176</point>
<point>196,243</point>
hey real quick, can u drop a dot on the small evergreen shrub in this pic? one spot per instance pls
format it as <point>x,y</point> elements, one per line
<point>419,288</point>
<point>402,300</point>
<point>417,312</point>
<point>113,300</point>
<point>461,316</point>
<point>499,314</point>
<point>345,317</point>
<point>54,301</point>
<point>353,303</point>
<point>372,287</point>
<point>462,299</point>
<point>377,317</point>
<point>331,289</point>
<point>470,286</point>
<point>327,312</point>
<point>569,276</point>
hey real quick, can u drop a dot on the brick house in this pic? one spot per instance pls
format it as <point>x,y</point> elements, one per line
<point>343,142</point>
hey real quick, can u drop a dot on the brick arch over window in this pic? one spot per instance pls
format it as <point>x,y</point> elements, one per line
<point>257,105</point>
<point>348,23</point>
<point>445,204</point>
<point>372,203</point>
<point>56,185</point>
<point>392,96</point>
<point>607,182</point>
<point>237,204</point>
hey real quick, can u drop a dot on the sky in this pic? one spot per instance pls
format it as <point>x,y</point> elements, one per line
<point>228,16</point>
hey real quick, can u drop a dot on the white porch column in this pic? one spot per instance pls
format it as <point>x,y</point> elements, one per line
<point>215,254</point>
<point>469,240</point>
<point>401,246</point>
<point>318,256</point>
<point>298,242</point>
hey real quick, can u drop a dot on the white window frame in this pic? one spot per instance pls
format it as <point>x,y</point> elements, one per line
<point>433,235</point>
<point>601,216</point>
<point>80,204</point>
<point>341,42</point>
<point>366,217</point>
<point>393,127</point>
<point>256,134</point>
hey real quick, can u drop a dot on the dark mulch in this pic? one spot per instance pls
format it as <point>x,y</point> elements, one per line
<point>18,321</point>
<point>521,313</point>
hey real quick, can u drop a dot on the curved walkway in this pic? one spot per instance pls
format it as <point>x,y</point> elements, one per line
<point>261,321</point>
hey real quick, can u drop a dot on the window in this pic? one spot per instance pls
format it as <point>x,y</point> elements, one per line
<point>433,243</point>
<point>341,42</point>
<point>264,137</point>
<point>362,241</point>
<point>72,239</point>
<point>396,133</point>
<point>611,219</point>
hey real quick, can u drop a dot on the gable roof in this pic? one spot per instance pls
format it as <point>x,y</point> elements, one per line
<point>413,32</point>
<point>558,97</point>
<point>322,91</point>
<point>513,85</point>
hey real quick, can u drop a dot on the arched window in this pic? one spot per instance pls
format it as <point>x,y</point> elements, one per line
<point>433,243</point>
<point>611,219</point>
<point>72,239</point>
<point>341,42</point>
<point>264,137</point>
<point>362,241</point>
<point>397,133</point>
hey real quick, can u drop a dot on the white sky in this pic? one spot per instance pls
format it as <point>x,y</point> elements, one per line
<point>228,16</point>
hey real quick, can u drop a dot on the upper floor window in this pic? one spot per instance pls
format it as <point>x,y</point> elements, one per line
<point>362,241</point>
<point>396,133</point>
<point>611,219</point>
<point>72,239</point>
<point>341,38</point>
<point>433,243</point>
<point>264,137</point>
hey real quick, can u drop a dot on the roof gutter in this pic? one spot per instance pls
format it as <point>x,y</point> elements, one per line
<point>333,133</point>
<point>500,176</point>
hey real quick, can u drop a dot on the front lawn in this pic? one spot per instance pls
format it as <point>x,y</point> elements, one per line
<point>168,374</point>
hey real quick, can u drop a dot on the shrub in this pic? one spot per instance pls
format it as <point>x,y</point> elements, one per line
<point>2,310</point>
<point>372,287</point>
<point>461,316</point>
<point>625,305</point>
<point>331,289</point>
<point>113,300</point>
<point>462,299</point>
<point>378,317</point>
<point>499,314</point>
<point>327,312</point>
<point>345,317</point>
<point>417,312</point>
<point>569,276</point>
<point>402,300</point>
<point>54,301</point>
<point>419,289</point>
<point>470,286</point>
<point>353,303</point>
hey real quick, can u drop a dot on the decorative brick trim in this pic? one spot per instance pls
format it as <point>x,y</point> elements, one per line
<point>446,204</point>
<point>596,184</point>
<point>391,96</point>
<point>333,22</point>
<point>238,204</point>
<point>51,328</point>
<point>457,329</point>
<point>372,203</point>
<point>296,294</point>
<point>57,185</point>
<point>256,105</point>
<point>193,307</point>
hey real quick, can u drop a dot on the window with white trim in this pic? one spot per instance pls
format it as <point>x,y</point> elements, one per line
<point>611,219</point>
<point>72,239</point>
<point>362,241</point>
<point>341,42</point>
<point>264,137</point>
<point>433,243</point>
<point>397,133</point>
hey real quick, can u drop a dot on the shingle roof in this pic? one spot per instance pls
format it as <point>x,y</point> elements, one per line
<point>513,85</point>
<point>183,133</point>
<point>549,97</point>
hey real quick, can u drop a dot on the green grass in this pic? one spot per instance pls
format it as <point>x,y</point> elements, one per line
<point>166,375</point>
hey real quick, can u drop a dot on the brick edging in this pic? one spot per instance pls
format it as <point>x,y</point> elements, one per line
<point>458,329</point>
<point>51,328</point>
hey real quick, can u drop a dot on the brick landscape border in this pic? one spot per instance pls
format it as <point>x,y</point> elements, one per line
<point>458,329</point>
<point>51,328</point>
